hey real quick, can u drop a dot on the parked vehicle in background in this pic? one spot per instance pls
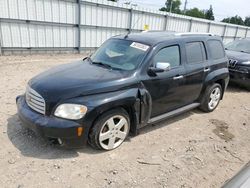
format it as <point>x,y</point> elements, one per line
<point>129,82</point>
<point>238,53</point>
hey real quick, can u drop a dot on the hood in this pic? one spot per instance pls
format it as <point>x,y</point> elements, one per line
<point>79,79</point>
<point>239,56</point>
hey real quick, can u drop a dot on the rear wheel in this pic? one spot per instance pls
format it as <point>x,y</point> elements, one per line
<point>211,98</point>
<point>110,130</point>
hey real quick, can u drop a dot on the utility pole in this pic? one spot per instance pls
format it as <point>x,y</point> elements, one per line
<point>171,6</point>
<point>185,6</point>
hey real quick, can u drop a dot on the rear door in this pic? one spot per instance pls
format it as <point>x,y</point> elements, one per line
<point>217,54</point>
<point>197,67</point>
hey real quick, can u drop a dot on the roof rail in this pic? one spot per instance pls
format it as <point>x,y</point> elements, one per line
<point>156,31</point>
<point>193,33</point>
<point>179,34</point>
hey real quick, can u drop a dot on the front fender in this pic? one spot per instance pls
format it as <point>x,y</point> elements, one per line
<point>100,103</point>
<point>145,105</point>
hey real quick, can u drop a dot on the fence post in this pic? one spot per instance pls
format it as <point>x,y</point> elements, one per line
<point>246,32</point>
<point>236,33</point>
<point>190,25</point>
<point>224,32</point>
<point>209,27</point>
<point>79,26</point>
<point>165,22</point>
<point>130,20</point>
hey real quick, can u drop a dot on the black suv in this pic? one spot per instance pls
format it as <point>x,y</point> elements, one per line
<point>129,82</point>
<point>238,53</point>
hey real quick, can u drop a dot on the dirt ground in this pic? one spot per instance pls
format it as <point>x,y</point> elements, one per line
<point>192,150</point>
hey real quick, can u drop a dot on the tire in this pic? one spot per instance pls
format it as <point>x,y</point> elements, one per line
<point>110,130</point>
<point>213,95</point>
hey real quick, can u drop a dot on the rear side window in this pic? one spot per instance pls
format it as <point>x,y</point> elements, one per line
<point>195,52</point>
<point>216,49</point>
<point>169,54</point>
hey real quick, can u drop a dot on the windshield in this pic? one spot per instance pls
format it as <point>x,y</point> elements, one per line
<point>239,46</point>
<point>120,54</point>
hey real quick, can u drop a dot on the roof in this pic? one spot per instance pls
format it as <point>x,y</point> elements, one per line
<point>154,37</point>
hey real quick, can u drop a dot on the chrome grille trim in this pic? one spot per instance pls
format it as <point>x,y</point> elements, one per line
<point>232,63</point>
<point>34,100</point>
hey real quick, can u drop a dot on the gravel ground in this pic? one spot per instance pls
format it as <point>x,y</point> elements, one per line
<point>192,150</point>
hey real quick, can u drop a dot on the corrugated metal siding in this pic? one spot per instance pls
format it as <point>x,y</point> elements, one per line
<point>217,29</point>
<point>199,27</point>
<point>177,24</point>
<point>55,23</point>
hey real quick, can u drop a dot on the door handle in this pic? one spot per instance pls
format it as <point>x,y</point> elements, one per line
<point>207,69</point>
<point>178,77</point>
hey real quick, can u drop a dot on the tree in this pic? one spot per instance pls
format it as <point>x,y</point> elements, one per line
<point>173,6</point>
<point>195,12</point>
<point>209,14</point>
<point>234,20</point>
<point>247,21</point>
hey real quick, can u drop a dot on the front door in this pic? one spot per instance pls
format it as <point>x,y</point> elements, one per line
<point>166,87</point>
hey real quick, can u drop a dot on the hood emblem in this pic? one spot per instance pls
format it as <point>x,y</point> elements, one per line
<point>232,63</point>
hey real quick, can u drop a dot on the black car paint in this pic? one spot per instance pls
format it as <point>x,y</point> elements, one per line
<point>236,74</point>
<point>144,96</point>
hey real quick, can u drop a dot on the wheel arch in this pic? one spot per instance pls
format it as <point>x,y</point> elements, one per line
<point>220,76</point>
<point>125,99</point>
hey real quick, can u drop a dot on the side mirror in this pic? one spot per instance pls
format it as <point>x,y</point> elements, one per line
<point>165,66</point>
<point>159,67</point>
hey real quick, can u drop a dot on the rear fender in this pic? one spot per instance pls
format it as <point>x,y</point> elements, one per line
<point>213,77</point>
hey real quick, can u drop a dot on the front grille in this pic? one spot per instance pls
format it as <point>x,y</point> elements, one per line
<point>232,63</point>
<point>34,100</point>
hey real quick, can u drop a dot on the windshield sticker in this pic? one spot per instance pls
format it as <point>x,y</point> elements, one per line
<point>139,46</point>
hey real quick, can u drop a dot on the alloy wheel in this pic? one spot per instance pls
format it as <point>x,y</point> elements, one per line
<point>113,132</point>
<point>214,98</point>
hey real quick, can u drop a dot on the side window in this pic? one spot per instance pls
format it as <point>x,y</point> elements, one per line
<point>169,54</point>
<point>216,49</point>
<point>195,52</point>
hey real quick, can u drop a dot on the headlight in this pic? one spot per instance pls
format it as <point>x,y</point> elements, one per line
<point>246,63</point>
<point>71,111</point>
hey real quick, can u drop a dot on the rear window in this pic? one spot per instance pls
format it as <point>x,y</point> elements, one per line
<point>195,52</point>
<point>216,49</point>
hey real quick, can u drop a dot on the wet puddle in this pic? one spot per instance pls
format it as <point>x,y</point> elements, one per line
<point>221,130</point>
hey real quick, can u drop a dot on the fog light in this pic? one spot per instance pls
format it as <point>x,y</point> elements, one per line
<point>79,131</point>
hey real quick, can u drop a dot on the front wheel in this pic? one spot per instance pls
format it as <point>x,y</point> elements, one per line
<point>212,97</point>
<point>110,130</point>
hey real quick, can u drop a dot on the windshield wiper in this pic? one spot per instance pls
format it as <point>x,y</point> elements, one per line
<point>244,51</point>
<point>102,64</point>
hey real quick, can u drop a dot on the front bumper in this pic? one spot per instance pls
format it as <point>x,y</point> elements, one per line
<point>49,126</point>
<point>240,77</point>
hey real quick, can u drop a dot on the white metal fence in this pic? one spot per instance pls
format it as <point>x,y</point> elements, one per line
<point>80,25</point>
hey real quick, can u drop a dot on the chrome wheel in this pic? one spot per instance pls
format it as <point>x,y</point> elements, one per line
<point>214,98</point>
<point>113,132</point>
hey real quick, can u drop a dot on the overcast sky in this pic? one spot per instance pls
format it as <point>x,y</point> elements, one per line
<point>222,8</point>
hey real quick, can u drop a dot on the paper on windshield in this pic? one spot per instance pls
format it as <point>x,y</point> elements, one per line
<point>139,46</point>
